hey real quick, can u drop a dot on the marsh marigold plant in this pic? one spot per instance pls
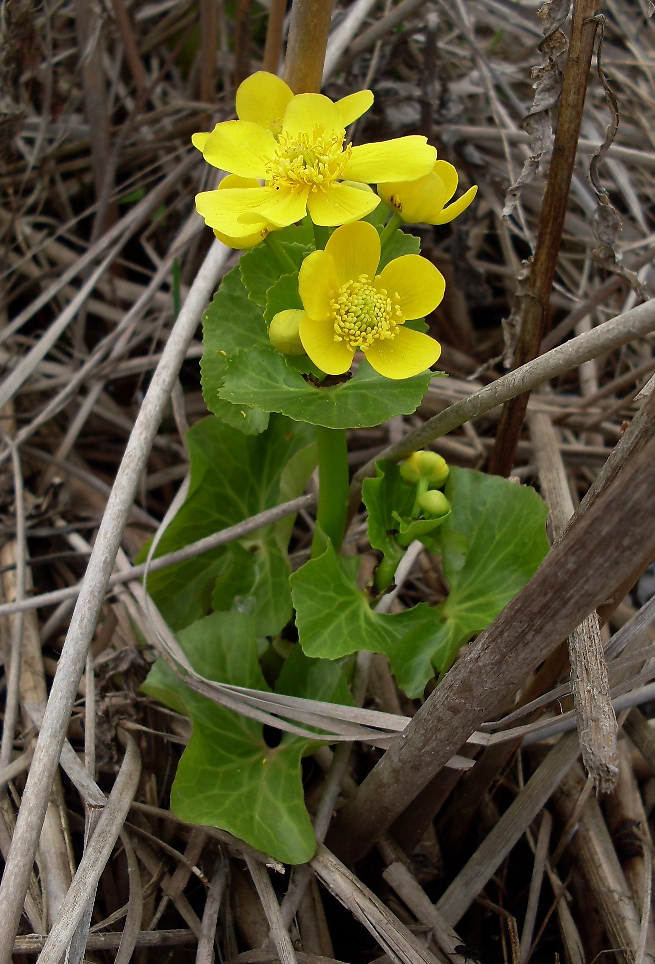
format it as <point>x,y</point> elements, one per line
<point>295,145</point>
<point>297,307</point>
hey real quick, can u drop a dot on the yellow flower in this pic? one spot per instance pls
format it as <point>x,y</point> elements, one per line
<point>295,145</point>
<point>349,307</point>
<point>259,227</point>
<point>423,201</point>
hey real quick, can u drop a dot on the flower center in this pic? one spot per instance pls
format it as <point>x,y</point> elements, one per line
<point>302,160</point>
<point>364,314</point>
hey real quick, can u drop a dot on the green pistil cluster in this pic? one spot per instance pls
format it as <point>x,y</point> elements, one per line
<point>363,314</point>
<point>304,159</point>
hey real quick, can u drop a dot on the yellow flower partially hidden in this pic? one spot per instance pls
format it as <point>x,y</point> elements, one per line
<point>425,200</point>
<point>349,307</point>
<point>296,145</point>
<point>259,226</point>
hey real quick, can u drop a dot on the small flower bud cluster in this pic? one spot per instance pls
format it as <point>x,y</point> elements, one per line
<point>428,472</point>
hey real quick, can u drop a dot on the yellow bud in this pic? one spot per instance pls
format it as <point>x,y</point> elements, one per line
<point>425,200</point>
<point>433,503</point>
<point>283,332</point>
<point>425,465</point>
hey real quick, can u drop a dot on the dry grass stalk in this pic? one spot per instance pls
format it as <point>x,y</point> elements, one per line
<point>600,867</point>
<point>534,291</point>
<point>595,716</point>
<point>392,936</point>
<point>628,826</point>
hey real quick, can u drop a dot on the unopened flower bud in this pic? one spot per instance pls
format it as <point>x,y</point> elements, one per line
<point>434,503</point>
<point>283,331</point>
<point>424,200</point>
<point>425,465</point>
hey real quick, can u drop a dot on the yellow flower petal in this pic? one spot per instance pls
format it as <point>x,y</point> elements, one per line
<point>354,105</point>
<point>355,249</point>
<point>317,284</point>
<point>256,224</point>
<point>456,208</point>
<point>234,180</point>
<point>416,200</point>
<point>404,158</point>
<point>284,205</point>
<point>449,176</point>
<point>199,140</point>
<point>262,99</point>
<point>307,113</point>
<point>233,211</point>
<point>408,354</point>
<point>317,337</point>
<point>239,147</point>
<point>340,204</point>
<point>433,202</point>
<point>417,283</point>
<point>242,244</point>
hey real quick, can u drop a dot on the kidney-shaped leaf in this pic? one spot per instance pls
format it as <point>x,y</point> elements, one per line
<point>491,544</point>
<point>334,618</point>
<point>229,777</point>
<point>235,476</point>
<point>262,378</point>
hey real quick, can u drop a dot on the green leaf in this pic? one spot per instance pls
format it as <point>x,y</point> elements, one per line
<point>281,295</point>
<point>232,322</point>
<point>334,618</point>
<point>378,216</point>
<point>386,497</point>
<point>398,245</point>
<point>491,543</point>
<point>422,530</point>
<point>260,268</point>
<point>235,476</point>
<point>261,377</point>
<point>317,679</point>
<point>228,776</point>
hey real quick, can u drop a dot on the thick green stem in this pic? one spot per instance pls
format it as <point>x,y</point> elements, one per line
<point>392,225</point>
<point>332,488</point>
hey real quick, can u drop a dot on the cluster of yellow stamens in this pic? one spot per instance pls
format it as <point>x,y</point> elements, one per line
<point>302,160</point>
<point>364,314</point>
